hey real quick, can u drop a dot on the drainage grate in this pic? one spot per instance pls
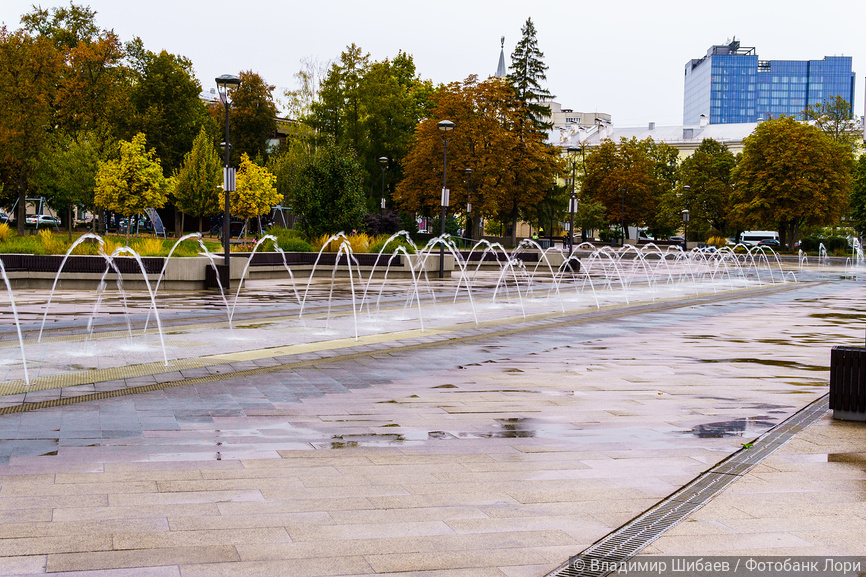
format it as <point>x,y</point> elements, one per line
<point>630,539</point>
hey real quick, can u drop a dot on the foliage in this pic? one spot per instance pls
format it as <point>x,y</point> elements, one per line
<point>196,185</point>
<point>858,195</point>
<point>51,243</point>
<point>252,118</point>
<point>327,194</point>
<point>358,242</point>
<point>835,119</point>
<point>255,193</point>
<point>527,73</point>
<point>832,244</point>
<point>590,215</point>
<point>131,182</point>
<point>513,166</point>
<point>549,211</point>
<point>389,223</point>
<point>380,244</point>
<point>5,232</point>
<point>30,70</point>
<point>371,107</point>
<point>630,180</point>
<point>66,171</point>
<point>717,241</point>
<point>791,174</point>
<point>708,174</point>
<point>165,97</point>
<point>289,240</point>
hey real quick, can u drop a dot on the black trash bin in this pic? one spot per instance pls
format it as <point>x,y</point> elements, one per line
<point>848,383</point>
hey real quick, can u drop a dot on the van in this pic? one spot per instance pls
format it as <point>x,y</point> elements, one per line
<point>753,237</point>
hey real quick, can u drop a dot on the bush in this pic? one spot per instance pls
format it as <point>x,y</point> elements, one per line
<point>379,243</point>
<point>294,244</point>
<point>718,241</point>
<point>832,244</point>
<point>5,232</point>
<point>51,243</point>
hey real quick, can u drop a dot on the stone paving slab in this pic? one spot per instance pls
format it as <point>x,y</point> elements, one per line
<point>497,456</point>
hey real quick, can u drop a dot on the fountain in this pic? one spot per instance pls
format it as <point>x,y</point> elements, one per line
<point>512,284</point>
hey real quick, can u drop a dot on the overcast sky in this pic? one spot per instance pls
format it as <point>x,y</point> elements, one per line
<point>622,57</point>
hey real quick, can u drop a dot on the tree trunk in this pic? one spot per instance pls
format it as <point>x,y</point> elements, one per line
<point>70,222</point>
<point>22,210</point>
<point>128,228</point>
<point>178,223</point>
<point>514,229</point>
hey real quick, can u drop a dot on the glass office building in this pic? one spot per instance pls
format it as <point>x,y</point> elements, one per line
<point>730,85</point>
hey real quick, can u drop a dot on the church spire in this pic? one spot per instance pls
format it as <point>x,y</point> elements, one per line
<point>500,70</point>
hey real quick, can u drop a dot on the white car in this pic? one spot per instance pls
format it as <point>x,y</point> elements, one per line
<point>42,220</point>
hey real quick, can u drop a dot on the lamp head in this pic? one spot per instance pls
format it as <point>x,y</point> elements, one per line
<point>383,160</point>
<point>225,83</point>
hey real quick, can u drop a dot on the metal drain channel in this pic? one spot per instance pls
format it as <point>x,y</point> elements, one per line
<point>630,539</point>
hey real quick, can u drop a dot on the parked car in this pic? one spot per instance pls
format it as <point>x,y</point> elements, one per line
<point>4,218</point>
<point>770,242</point>
<point>42,220</point>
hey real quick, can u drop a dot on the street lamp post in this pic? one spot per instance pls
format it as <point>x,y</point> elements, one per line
<point>572,204</point>
<point>622,214</point>
<point>445,127</point>
<point>685,230</point>
<point>470,225</point>
<point>383,161</point>
<point>225,83</point>
<point>686,189</point>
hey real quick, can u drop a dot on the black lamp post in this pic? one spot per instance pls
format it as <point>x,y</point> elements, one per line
<point>225,83</point>
<point>470,225</point>
<point>445,126</point>
<point>686,189</point>
<point>622,214</point>
<point>383,161</point>
<point>685,230</point>
<point>572,204</point>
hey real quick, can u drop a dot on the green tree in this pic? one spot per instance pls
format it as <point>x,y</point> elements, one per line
<point>858,195</point>
<point>630,179</point>
<point>328,193</point>
<point>253,117</point>
<point>790,175</point>
<point>66,173</point>
<point>708,174</point>
<point>131,182</point>
<point>165,97</point>
<point>196,185</point>
<point>527,73</point>
<point>835,119</point>
<point>256,191</point>
<point>30,68</point>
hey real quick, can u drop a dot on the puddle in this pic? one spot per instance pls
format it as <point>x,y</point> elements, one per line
<point>733,428</point>
<point>770,363</point>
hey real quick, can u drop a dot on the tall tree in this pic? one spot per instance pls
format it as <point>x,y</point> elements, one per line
<point>30,70</point>
<point>858,196</point>
<point>256,191</point>
<point>196,185</point>
<point>253,117</point>
<point>835,119</point>
<point>630,179</point>
<point>511,171</point>
<point>527,73</point>
<point>327,194</point>
<point>66,172</point>
<point>708,174</point>
<point>791,174</point>
<point>131,182</point>
<point>165,96</point>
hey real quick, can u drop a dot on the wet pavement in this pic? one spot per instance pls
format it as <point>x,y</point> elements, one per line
<point>501,451</point>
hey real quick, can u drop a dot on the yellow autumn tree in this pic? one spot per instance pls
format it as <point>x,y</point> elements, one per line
<point>131,182</point>
<point>256,191</point>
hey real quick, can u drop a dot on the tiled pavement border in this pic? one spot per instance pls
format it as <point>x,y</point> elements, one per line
<point>620,545</point>
<point>69,388</point>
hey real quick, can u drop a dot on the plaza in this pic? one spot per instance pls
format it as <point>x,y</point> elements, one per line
<point>499,446</point>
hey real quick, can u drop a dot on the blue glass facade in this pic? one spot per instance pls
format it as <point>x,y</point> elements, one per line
<point>730,85</point>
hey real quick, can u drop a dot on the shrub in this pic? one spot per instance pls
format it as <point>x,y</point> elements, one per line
<point>379,244</point>
<point>5,232</point>
<point>150,247</point>
<point>295,244</point>
<point>51,243</point>
<point>717,241</point>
